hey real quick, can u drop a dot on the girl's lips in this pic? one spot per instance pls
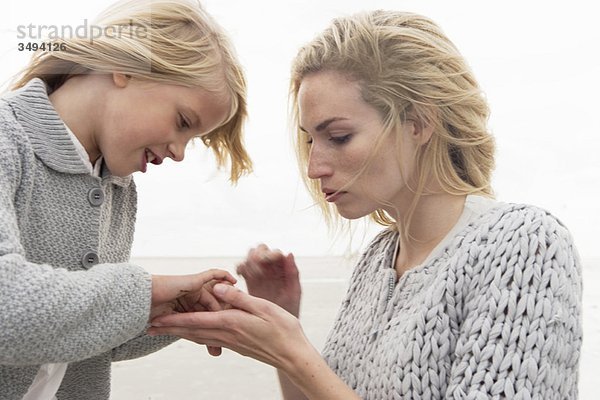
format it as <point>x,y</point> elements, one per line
<point>144,162</point>
<point>153,158</point>
<point>149,156</point>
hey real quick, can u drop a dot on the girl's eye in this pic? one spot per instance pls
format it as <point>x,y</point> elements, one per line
<point>340,139</point>
<point>183,124</point>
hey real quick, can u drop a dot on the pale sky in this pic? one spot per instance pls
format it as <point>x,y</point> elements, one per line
<point>537,61</point>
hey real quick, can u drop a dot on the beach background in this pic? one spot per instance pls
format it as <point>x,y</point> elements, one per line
<point>184,370</point>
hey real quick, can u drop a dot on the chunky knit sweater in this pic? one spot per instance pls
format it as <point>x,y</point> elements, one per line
<point>67,291</point>
<point>496,315</point>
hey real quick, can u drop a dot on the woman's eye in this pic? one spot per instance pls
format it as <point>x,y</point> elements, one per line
<point>340,139</point>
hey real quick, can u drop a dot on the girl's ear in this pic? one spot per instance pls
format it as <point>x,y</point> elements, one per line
<point>120,80</point>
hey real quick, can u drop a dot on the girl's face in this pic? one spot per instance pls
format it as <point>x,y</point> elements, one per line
<point>146,122</point>
<point>343,130</point>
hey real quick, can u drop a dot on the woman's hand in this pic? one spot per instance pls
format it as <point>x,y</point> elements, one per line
<point>188,293</point>
<point>264,331</point>
<point>272,276</point>
<point>255,328</point>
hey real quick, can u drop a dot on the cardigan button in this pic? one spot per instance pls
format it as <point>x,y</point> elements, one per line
<point>89,259</point>
<point>96,196</point>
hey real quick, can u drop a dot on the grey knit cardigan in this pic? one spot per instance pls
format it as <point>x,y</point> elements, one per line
<point>496,316</point>
<point>67,291</point>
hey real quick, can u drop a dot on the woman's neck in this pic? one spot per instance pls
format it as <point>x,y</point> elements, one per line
<point>433,217</point>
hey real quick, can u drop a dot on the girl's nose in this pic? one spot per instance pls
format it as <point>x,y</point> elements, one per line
<point>176,151</point>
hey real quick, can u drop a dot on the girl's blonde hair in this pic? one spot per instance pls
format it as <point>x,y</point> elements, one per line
<point>163,41</point>
<point>407,69</point>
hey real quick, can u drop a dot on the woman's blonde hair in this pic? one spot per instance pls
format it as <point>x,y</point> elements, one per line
<point>163,41</point>
<point>407,69</point>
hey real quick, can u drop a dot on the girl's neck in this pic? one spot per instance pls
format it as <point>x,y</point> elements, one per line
<point>76,102</point>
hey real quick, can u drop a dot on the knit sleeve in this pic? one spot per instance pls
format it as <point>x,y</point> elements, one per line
<point>141,346</point>
<point>521,331</point>
<point>50,315</point>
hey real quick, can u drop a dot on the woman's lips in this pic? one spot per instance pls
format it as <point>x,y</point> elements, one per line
<point>332,197</point>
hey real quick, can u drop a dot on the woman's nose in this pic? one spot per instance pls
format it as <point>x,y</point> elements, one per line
<point>318,164</point>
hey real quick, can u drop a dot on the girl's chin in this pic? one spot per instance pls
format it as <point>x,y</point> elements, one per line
<point>120,172</point>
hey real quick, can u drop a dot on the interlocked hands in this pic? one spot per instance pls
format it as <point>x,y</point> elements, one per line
<point>262,324</point>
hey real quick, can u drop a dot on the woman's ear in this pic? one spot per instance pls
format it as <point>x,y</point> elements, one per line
<point>423,130</point>
<point>120,80</point>
<point>420,127</point>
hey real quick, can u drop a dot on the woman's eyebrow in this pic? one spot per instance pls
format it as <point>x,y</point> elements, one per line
<point>323,125</point>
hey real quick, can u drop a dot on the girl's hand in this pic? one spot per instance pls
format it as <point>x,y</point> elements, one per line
<point>183,293</point>
<point>255,328</point>
<point>272,276</point>
<point>188,293</point>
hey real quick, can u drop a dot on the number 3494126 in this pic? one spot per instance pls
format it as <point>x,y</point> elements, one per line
<point>44,46</point>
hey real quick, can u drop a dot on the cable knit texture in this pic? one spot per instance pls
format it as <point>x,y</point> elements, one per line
<point>496,316</point>
<point>54,307</point>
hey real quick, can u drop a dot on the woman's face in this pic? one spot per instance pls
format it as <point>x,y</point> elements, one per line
<point>343,131</point>
<point>148,122</point>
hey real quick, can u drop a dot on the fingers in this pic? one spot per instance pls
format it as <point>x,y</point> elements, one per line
<point>265,256</point>
<point>243,304</point>
<point>207,337</point>
<point>169,287</point>
<point>208,301</point>
<point>205,277</point>
<point>202,300</point>
<point>198,320</point>
<point>243,301</point>
<point>259,261</point>
<point>214,351</point>
<point>197,282</point>
<point>289,266</point>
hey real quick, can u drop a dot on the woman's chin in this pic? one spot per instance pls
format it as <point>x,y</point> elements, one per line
<point>351,214</point>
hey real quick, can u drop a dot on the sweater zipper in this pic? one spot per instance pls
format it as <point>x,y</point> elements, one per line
<point>391,285</point>
<point>392,281</point>
<point>390,293</point>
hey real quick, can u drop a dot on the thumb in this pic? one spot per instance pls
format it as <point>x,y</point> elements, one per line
<point>239,299</point>
<point>289,265</point>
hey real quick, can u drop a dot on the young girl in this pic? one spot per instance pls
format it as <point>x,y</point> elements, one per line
<point>79,121</point>
<point>461,296</point>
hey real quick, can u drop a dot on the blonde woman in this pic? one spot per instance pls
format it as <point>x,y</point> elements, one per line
<point>81,119</point>
<point>461,296</point>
